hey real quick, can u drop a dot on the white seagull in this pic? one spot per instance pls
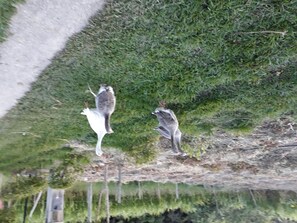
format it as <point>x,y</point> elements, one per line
<point>97,123</point>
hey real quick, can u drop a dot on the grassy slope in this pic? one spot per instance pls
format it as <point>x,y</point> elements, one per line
<point>7,9</point>
<point>198,56</point>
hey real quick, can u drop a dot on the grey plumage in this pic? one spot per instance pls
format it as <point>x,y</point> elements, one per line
<point>165,133</point>
<point>99,118</point>
<point>168,127</point>
<point>105,103</point>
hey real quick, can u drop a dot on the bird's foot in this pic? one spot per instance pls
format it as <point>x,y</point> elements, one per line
<point>110,131</point>
<point>84,112</point>
<point>99,153</point>
<point>183,154</point>
<point>91,91</point>
<point>176,152</point>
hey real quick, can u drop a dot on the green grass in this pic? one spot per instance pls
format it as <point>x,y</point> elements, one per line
<point>22,187</point>
<point>132,205</point>
<point>211,61</point>
<point>202,204</point>
<point>7,9</point>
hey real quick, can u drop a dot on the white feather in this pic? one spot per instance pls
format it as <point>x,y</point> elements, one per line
<point>97,123</point>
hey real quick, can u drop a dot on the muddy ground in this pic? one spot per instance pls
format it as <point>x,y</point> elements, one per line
<point>264,159</point>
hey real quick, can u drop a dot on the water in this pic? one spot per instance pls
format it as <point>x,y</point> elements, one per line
<point>144,202</point>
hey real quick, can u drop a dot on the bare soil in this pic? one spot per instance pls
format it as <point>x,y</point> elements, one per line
<point>264,159</point>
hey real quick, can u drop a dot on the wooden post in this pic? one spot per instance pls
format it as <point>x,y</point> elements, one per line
<point>1,181</point>
<point>139,190</point>
<point>176,191</point>
<point>55,206</point>
<point>99,204</point>
<point>49,197</point>
<point>217,204</point>
<point>25,209</point>
<point>107,193</point>
<point>119,186</point>
<point>89,201</point>
<point>158,191</point>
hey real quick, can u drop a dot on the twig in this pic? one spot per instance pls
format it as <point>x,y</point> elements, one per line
<point>65,140</point>
<point>217,205</point>
<point>119,189</point>
<point>91,91</point>
<point>26,133</point>
<point>59,102</point>
<point>265,32</point>
<point>252,195</point>
<point>35,204</point>
<point>290,145</point>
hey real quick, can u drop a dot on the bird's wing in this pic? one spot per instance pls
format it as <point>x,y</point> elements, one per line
<point>96,121</point>
<point>167,115</point>
<point>163,131</point>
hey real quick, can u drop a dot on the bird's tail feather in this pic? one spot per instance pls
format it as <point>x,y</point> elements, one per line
<point>173,144</point>
<point>85,111</point>
<point>107,124</point>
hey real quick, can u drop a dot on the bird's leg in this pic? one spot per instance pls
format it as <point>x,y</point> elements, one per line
<point>173,146</point>
<point>98,145</point>
<point>180,151</point>
<point>92,91</point>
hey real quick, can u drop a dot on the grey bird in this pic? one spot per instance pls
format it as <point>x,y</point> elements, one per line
<point>105,103</point>
<point>165,133</point>
<point>168,127</point>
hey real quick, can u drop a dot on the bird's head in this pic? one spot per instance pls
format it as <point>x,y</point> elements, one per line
<point>105,87</point>
<point>162,104</point>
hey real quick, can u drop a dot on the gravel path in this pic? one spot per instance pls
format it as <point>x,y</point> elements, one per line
<point>38,30</point>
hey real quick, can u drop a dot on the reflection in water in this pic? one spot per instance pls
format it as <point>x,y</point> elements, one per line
<point>146,202</point>
<point>54,205</point>
<point>1,201</point>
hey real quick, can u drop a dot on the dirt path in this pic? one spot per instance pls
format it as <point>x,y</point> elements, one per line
<point>263,159</point>
<point>38,30</point>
